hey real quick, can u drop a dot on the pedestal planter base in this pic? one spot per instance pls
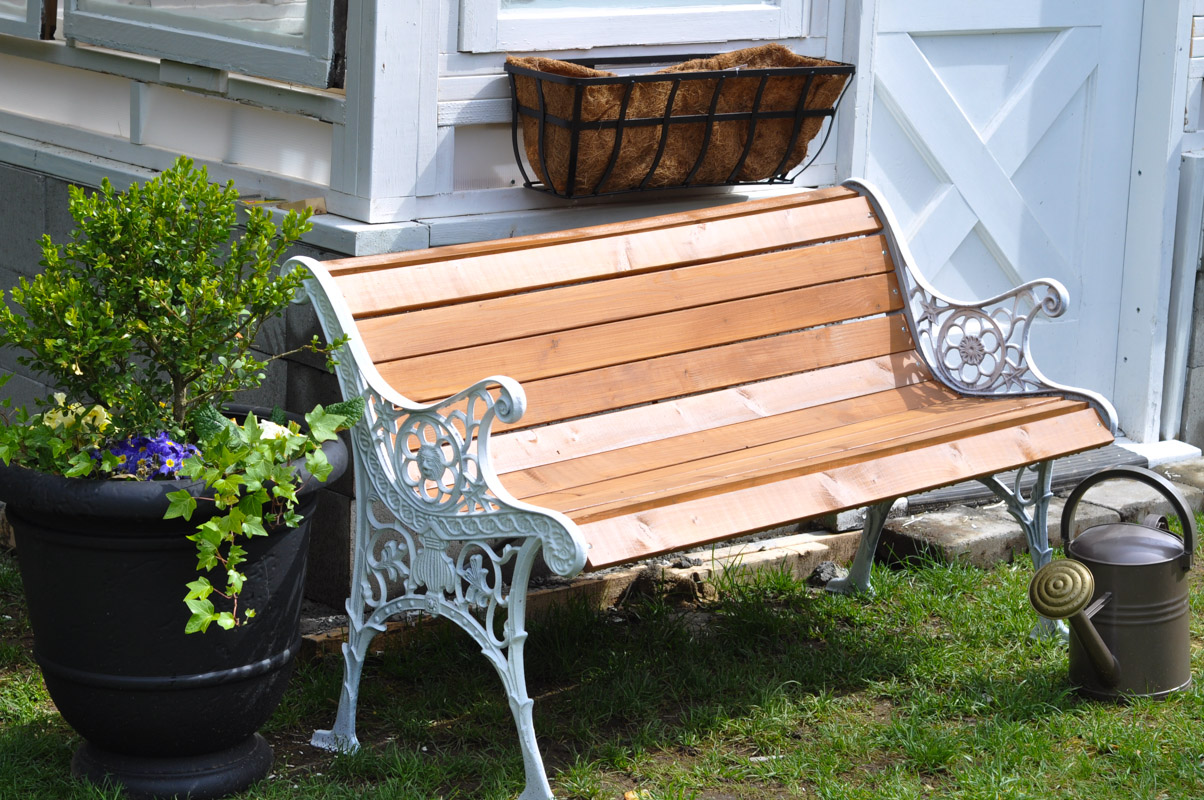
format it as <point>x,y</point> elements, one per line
<point>194,777</point>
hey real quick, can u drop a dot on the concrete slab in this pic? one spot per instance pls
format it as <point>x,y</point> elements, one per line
<point>1087,515</point>
<point>1134,501</point>
<point>981,536</point>
<point>1189,472</point>
<point>798,554</point>
<point>1159,453</point>
<point>854,519</point>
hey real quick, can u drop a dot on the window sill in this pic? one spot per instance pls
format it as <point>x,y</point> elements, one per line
<point>325,105</point>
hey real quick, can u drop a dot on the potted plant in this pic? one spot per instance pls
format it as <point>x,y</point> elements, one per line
<point>146,511</point>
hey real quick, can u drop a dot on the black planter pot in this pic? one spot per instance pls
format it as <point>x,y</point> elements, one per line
<point>162,712</point>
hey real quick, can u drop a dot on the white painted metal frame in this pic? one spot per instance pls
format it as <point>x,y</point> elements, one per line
<point>307,64</point>
<point>487,27</point>
<point>979,349</point>
<point>28,26</point>
<point>435,530</point>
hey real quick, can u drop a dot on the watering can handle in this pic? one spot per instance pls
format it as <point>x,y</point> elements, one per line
<point>1149,478</point>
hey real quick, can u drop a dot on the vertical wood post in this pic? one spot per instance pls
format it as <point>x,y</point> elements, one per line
<point>374,161</point>
<point>1153,191</point>
<point>1185,264</point>
<point>853,134</point>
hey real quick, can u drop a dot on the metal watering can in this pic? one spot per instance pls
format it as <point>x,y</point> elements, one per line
<point>1123,589</point>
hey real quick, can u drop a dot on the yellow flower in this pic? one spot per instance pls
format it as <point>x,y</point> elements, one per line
<point>95,419</point>
<point>55,418</point>
<point>272,430</point>
<point>60,415</point>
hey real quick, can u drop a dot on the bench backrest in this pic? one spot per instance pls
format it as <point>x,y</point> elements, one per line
<point>617,315</point>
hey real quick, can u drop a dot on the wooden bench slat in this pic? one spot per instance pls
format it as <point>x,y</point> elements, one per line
<point>711,443</point>
<point>469,278</point>
<point>716,368</point>
<point>598,346</point>
<point>780,460</point>
<point>545,311</point>
<point>532,447</point>
<point>356,264</point>
<point>697,522</point>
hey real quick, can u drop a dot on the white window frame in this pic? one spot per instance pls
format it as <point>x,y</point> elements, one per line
<point>308,65</point>
<point>30,27</point>
<point>487,27</point>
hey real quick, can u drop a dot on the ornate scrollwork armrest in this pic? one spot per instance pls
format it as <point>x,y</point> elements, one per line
<point>449,443</point>
<point>979,348</point>
<point>982,348</point>
<point>429,463</point>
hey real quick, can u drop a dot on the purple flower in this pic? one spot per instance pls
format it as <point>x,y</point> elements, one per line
<point>149,457</point>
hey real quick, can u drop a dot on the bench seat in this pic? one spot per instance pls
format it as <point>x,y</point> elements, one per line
<point>602,395</point>
<point>632,501</point>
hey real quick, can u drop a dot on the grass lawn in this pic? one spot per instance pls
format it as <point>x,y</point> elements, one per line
<point>930,689</point>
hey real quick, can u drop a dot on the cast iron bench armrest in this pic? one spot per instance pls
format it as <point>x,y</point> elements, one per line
<point>981,347</point>
<point>406,448</point>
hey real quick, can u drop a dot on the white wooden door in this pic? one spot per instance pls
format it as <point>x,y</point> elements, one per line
<point>1001,134</point>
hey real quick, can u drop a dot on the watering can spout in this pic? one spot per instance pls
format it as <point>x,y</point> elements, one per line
<point>1061,590</point>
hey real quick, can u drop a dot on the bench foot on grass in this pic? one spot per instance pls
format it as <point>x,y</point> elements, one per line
<point>1031,509</point>
<point>436,535</point>
<point>858,579</point>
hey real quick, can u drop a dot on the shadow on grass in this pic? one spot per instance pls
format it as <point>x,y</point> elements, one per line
<point>648,676</point>
<point>931,675</point>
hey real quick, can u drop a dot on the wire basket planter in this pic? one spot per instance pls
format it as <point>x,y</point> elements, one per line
<point>742,117</point>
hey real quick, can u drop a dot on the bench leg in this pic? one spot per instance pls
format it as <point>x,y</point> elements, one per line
<point>512,670</point>
<point>505,653</point>
<point>341,736</point>
<point>1031,510</point>
<point>361,627</point>
<point>858,580</point>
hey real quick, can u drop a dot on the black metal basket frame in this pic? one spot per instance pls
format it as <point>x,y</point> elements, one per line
<point>752,116</point>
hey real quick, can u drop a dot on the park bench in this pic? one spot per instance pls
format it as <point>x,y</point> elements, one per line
<point>668,382</point>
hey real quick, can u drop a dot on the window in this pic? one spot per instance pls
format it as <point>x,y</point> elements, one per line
<point>529,25</point>
<point>291,40</point>
<point>33,19</point>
